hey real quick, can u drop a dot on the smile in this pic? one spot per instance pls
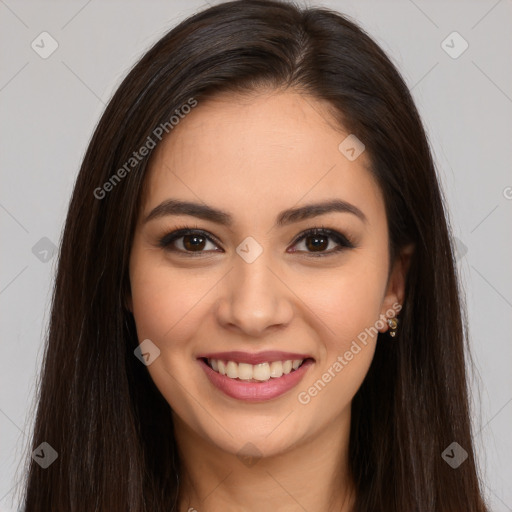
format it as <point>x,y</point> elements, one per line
<point>255,377</point>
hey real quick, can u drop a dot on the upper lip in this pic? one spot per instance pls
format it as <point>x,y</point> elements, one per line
<point>267,356</point>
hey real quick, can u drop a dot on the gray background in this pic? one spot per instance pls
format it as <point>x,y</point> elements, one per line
<point>49,108</point>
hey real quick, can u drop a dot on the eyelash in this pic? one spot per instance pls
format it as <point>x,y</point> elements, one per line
<point>181,231</point>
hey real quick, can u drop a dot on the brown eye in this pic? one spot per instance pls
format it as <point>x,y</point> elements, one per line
<point>316,241</point>
<point>187,241</point>
<point>193,242</point>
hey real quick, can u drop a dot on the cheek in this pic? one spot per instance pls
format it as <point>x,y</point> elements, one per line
<point>167,308</point>
<point>348,303</point>
<point>165,303</point>
<point>348,311</point>
<point>347,300</point>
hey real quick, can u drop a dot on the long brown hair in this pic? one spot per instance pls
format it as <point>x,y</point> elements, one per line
<point>97,405</point>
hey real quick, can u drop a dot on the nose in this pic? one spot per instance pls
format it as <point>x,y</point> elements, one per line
<point>254,298</point>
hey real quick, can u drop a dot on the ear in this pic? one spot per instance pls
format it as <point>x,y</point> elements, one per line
<point>395,290</point>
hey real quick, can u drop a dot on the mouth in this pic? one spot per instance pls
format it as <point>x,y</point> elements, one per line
<point>255,377</point>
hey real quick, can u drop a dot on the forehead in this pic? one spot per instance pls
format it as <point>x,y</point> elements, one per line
<point>270,150</point>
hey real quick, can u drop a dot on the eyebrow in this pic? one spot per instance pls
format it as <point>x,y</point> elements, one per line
<point>203,211</point>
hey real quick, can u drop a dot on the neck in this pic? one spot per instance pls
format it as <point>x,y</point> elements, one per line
<point>311,475</point>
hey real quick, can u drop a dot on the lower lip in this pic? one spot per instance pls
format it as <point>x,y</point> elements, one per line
<point>256,391</point>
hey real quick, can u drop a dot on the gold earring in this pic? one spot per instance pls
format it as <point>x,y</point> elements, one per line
<point>393,326</point>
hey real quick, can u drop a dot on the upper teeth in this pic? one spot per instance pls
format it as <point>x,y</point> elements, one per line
<point>262,371</point>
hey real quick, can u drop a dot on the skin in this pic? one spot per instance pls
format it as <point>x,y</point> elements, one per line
<point>238,153</point>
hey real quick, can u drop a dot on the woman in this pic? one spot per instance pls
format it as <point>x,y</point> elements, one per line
<point>256,305</point>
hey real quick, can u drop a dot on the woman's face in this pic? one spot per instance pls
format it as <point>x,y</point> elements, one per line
<point>246,286</point>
